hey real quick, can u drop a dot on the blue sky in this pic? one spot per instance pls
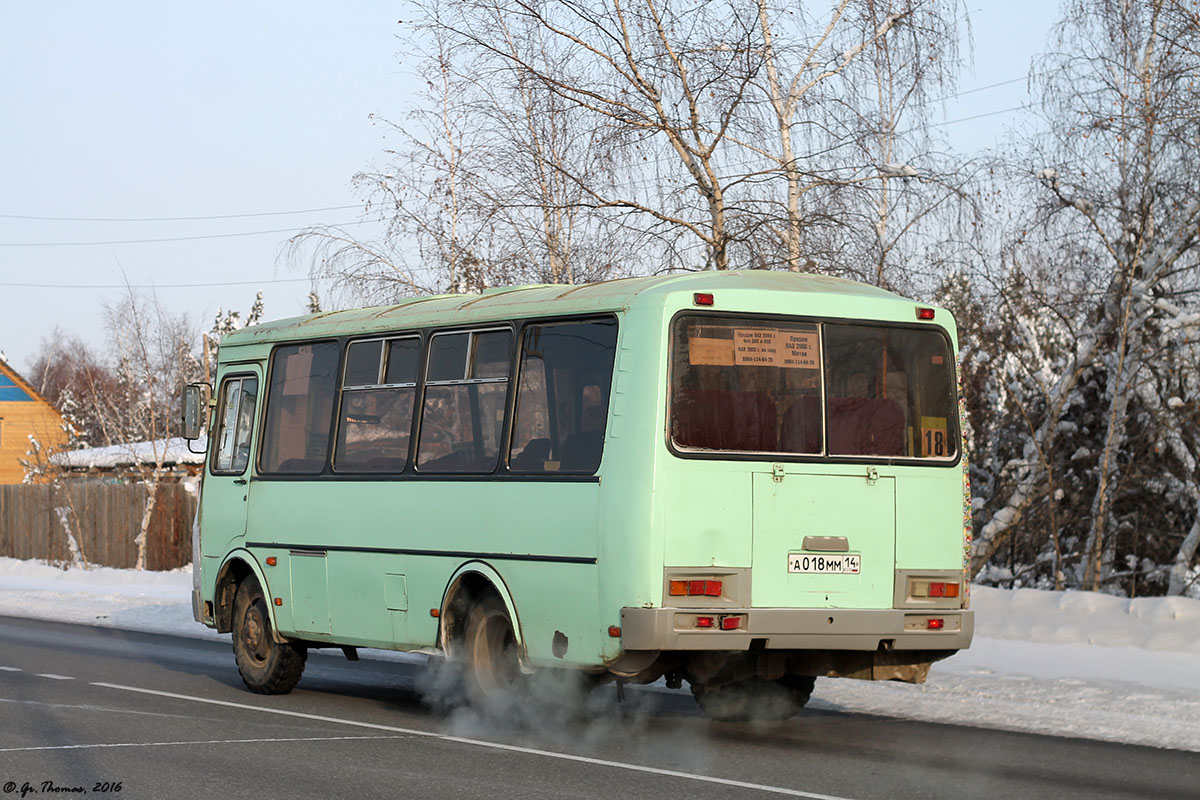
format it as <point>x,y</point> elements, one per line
<point>149,109</point>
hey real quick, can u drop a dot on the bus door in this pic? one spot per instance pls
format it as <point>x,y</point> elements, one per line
<point>823,540</point>
<point>226,486</point>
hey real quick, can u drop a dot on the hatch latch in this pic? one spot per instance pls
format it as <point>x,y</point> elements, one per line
<point>872,476</point>
<point>777,473</point>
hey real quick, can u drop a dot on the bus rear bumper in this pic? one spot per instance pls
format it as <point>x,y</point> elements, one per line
<point>675,629</point>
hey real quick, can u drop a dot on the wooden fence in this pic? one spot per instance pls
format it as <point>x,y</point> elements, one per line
<point>105,519</point>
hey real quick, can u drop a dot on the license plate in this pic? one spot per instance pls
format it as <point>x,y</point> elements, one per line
<point>838,565</point>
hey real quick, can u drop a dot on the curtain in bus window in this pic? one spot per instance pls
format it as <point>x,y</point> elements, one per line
<point>890,392</point>
<point>466,387</point>
<point>299,408</point>
<point>746,385</point>
<point>562,397</point>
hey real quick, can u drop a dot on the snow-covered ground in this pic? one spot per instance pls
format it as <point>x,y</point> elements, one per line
<point>1065,663</point>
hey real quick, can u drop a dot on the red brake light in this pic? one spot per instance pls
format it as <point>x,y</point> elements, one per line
<point>702,299</point>
<point>704,588</point>
<point>924,313</point>
<point>731,623</point>
<point>704,622</point>
<point>936,624</point>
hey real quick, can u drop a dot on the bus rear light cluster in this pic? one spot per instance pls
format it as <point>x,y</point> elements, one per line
<point>729,622</point>
<point>934,589</point>
<point>700,588</point>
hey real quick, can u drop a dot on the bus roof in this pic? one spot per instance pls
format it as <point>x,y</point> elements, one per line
<point>547,300</point>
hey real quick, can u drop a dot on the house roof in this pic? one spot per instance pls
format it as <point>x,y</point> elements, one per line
<point>15,389</point>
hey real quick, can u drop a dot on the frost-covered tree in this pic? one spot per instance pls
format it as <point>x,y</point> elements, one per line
<point>1099,292</point>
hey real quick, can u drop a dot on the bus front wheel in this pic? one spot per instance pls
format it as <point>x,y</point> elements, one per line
<point>266,666</point>
<point>756,698</point>
<point>489,656</point>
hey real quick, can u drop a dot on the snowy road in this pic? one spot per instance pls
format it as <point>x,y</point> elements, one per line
<point>166,716</point>
<point>1057,663</point>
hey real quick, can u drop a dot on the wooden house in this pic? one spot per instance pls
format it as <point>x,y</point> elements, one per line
<point>24,412</point>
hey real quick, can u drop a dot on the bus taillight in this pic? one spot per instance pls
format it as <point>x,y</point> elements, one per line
<point>934,589</point>
<point>731,623</point>
<point>704,622</point>
<point>697,588</point>
<point>936,624</point>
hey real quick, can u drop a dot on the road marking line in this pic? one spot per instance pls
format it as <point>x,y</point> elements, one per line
<point>175,744</point>
<point>54,677</point>
<point>484,743</point>
<point>10,669</point>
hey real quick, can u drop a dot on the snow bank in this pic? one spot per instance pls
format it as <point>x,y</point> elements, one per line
<point>1060,663</point>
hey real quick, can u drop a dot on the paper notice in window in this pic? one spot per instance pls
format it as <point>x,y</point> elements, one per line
<point>710,352</point>
<point>757,347</point>
<point>934,441</point>
<point>764,347</point>
<point>800,350</point>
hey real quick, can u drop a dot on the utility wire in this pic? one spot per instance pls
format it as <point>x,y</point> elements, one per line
<point>150,285</point>
<point>170,238</point>
<point>177,219</point>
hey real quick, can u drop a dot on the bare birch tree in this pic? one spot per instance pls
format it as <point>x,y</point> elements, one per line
<point>1119,217</point>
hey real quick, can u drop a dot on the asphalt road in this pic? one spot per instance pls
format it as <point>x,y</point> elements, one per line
<point>130,715</point>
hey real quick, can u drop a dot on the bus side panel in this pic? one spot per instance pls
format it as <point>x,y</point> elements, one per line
<point>392,544</point>
<point>631,558</point>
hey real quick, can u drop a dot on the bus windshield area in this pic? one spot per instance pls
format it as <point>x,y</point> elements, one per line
<point>812,388</point>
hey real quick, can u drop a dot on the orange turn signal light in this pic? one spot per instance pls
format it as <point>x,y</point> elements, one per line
<point>272,561</point>
<point>697,588</point>
<point>614,631</point>
<point>278,601</point>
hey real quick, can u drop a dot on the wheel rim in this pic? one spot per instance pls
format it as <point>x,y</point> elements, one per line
<point>254,634</point>
<point>494,654</point>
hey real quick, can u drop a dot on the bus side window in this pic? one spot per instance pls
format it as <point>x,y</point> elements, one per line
<point>562,397</point>
<point>378,395</point>
<point>466,387</point>
<point>237,422</point>
<point>299,408</point>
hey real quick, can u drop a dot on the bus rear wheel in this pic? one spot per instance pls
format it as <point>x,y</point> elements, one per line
<point>756,698</point>
<point>266,666</point>
<point>491,665</point>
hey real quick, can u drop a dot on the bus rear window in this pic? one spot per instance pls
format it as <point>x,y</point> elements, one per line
<point>806,388</point>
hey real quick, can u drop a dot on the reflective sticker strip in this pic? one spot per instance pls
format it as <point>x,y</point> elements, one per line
<point>968,523</point>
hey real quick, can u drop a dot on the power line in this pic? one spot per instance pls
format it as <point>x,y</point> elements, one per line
<point>168,239</point>
<point>982,88</point>
<point>177,219</point>
<point>980,116</point>
<point>149,285</point>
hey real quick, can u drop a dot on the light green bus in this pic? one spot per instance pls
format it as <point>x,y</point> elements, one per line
<point>741,480</point>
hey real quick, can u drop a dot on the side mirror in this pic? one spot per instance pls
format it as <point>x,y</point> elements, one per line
<point>195,404</point>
